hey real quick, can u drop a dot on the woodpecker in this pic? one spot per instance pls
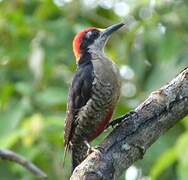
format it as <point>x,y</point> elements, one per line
<point>94,92</point>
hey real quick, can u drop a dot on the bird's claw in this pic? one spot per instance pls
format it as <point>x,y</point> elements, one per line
<point>90,149</point>
<point>119,120</point>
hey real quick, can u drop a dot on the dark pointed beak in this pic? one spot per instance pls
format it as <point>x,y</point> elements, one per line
<point>108,31</point>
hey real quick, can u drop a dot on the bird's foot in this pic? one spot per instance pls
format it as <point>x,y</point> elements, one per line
<point>119,120</point>
<point>90,149</point>
<point>99,148</point>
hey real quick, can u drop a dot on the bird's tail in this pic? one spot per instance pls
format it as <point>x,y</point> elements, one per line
<point>64,155</point>
<point>79,153</point>
<point>62,161</point>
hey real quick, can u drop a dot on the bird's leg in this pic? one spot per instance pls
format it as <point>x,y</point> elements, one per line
<point>90,149</point>
<point>116,121</point>
<point>120,119</point>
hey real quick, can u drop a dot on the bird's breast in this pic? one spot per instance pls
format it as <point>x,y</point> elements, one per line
<point>93,118</point>
<point>107,72</point>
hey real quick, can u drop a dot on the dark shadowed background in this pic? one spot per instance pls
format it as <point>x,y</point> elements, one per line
<point>37,65</point>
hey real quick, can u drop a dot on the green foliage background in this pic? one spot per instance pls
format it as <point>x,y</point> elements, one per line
<point>37,65</point>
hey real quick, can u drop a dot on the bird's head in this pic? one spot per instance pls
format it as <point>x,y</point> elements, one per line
<point>92,39</point>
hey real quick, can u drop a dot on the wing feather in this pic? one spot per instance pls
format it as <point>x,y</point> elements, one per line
<point>79,94</point>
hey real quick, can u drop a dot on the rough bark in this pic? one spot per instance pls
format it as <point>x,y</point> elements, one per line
<point>129,141</point>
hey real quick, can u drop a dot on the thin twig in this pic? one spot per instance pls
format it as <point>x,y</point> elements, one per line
<point>9,155</point>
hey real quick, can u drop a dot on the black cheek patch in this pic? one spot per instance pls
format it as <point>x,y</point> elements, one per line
<point>89,40</point>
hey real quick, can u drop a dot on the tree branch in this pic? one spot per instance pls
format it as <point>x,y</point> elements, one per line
<point>128,142</point>
<point>12,156</point>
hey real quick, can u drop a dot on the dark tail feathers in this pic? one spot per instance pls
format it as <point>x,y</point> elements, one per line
<point>79,153</point>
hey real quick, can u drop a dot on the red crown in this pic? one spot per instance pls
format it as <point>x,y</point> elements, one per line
<point>77,41</point>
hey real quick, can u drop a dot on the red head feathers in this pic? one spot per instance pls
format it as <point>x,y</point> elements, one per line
<point>78,40</point>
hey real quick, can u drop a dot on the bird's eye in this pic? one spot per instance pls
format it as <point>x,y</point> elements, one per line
<point>88,34</point>
<point>95,33</point>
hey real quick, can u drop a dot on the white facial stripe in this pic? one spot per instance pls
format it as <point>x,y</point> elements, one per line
<point>88,34</point>
<point>98,45</point>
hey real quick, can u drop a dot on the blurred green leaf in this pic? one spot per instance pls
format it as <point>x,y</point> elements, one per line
<point>164,161</point>
<point>26,89</point>
<point>7,141</point>
<point>51,97</point>
<point>182,153</point>
<point>11,119</point>
<point>185,122</point>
